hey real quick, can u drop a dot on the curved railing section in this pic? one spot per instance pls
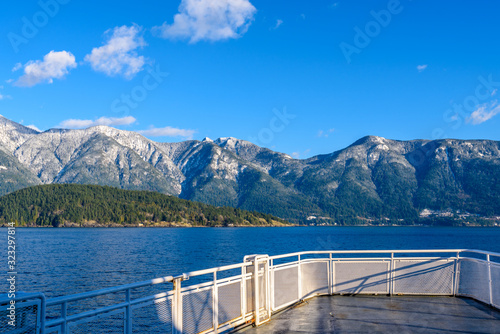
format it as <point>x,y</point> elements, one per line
<point>220,299</point>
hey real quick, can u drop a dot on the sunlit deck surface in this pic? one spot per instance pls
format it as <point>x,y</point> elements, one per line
<point>382,314</point>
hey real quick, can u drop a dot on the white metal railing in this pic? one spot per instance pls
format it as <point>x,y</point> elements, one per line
<point>219,299</point>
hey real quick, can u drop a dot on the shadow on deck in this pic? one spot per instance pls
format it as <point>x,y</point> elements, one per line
<point>377,314</point>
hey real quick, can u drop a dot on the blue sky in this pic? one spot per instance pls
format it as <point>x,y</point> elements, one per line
<point>300,77</point>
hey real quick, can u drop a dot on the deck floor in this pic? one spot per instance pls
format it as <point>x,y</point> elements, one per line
<point>377,314</point>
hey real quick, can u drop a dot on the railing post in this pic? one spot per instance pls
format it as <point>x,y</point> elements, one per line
<point>269,289</point>
<point>489,279</point>
<point>391,276</point>
<point>64,314</point>
<point>256,290</point>
<point>177,307</point>
<point>455,275</point>
<point>128,314</point>
<point>330,275</point>
<point>271,284</point>
<point>256,260</point>
<point>43,315</point>
<point>299,278</point>
<point>243,291</point>
<point>215,302</point>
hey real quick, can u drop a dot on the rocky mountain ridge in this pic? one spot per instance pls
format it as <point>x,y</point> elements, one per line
<point>374,178</point>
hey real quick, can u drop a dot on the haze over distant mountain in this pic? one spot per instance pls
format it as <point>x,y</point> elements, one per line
<point>372,178</point>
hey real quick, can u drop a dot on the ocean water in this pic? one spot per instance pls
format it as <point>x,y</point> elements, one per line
<point>65,261</point>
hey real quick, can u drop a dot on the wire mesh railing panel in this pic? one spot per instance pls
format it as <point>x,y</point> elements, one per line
<point>286,286</point>
<point>423,277</point>
<point>25,318</point>
<point>197,311</point>
<point>250,298</point>
<point>314,276</point>
<point>154,317</point>
<point>106,323</point>
<point>229,297</point>
<point>262,290</point>
<point>495,285</point>
<point>474,280</point>
<point>361,277</point>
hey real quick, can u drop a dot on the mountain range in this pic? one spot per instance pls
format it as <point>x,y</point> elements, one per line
<point>372,179</point>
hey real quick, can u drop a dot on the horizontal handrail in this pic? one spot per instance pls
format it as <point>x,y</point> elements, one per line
<point>480,252</point>
<point>212,270</point>
<point>396,251</point>
<point>22,296</point>
<point>106,291</point>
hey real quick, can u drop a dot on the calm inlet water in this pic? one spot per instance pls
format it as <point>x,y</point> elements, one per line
<point>66,261</point>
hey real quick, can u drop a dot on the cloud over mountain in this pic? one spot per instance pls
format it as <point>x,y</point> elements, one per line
<point>484,112</point>
<point>86,123</point>
<point>118,56</point>
<point>55,65</point>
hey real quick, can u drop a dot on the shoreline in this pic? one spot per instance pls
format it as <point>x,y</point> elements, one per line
<point>173,226</point>
<point>156,225</point>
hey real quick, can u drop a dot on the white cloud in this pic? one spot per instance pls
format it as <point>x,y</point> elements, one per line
<point>494,92</point>
<point>421,68</point>
<point>325,133</point>
<point>16,67</point>
<point>211,20</point>
<point>278,24</point>
<point>86,123</point>
<point>31,126</point>
<point>484,112</point>
<point>55,65</point>
<point>297,155</point>
<point>119,56</point>
<point>168,132</point>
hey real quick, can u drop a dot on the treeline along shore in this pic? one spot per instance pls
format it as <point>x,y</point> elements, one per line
<point>72,205</point>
